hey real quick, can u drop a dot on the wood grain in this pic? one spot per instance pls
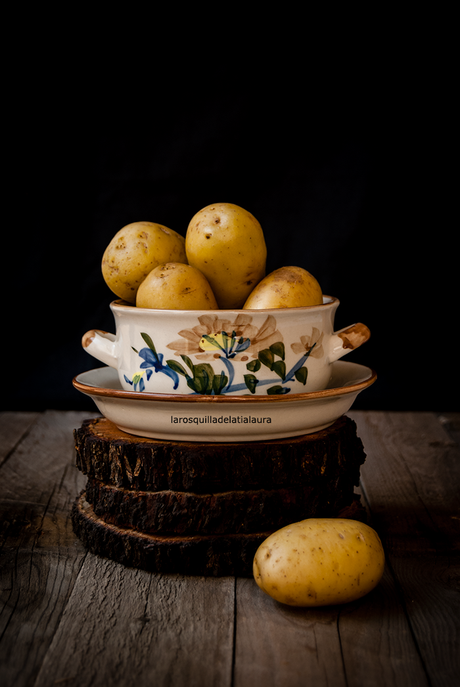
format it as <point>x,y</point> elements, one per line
<point>40,558</point>
<point>231,512</point>
<point>13,428</point>
<point>133,628</point>
<point>365,643</point>
<point>68,617</point>
<point>280,645</point>
<point>411,482</point>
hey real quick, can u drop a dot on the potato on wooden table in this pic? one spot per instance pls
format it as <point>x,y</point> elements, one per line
<point>319,562</point>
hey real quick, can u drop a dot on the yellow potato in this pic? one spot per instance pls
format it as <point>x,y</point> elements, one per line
<point>286,287</point>
<point>176,286</point>
<point>134,251</point>
<point>226,243</point>
<point>319,562</point>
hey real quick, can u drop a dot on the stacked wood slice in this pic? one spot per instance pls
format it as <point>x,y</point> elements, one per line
<point>204,508</point>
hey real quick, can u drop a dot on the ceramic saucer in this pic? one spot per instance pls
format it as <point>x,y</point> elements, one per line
<point>224,418</point>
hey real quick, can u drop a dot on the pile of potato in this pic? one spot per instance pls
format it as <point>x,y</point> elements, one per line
<point>219,265</point>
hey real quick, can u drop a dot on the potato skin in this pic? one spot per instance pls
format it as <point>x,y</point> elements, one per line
<point>134,251</point>
<point>319,562</point>
<point>175,286</point>
<point>286,287</point>
<point>226,243</point>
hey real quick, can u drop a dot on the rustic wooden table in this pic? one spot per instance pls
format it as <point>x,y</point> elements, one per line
<point>68,617</point>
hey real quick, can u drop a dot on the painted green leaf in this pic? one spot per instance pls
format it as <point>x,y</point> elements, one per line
<point>189,363</point>
<point>194,385</point>
<point>279,368</point>
<point>278,349</point>
<point>253,366</point>
<point>301,375</point>
<point>266,357</point>
<point>219,382</point>
<point>177,367</point>
<point>148,341</point>
<point>227,341</point>
<point>251,382</point>
<point>277,390</point>
<point>135,350</point>
<point>202,378</point>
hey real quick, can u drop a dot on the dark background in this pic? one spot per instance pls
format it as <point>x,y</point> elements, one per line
<point>348,176</point>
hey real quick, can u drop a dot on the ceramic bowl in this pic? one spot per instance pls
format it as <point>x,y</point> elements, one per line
<point>224,352</point>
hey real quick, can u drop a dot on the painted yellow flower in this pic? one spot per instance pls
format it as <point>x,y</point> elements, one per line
<point>307,342</point>
<point>193,341</point>
<point>210,342</point>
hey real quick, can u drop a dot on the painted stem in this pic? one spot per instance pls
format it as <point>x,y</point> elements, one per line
<point>231,375</point>
<point>298,365</point>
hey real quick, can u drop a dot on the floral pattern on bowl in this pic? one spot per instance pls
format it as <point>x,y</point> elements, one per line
<point>224,352</point>
<point>211,344</point>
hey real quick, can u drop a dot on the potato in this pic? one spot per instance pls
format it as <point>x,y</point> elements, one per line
<point>286,287</point>
<point>176,286</point>
<point>227,244</point>
<point>134,251</point>
<point>319,562</point>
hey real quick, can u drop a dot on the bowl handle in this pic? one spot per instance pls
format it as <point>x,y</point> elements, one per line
<point>102,345</point>
<point>347,339</point>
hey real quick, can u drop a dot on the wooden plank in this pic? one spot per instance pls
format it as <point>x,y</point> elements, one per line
<point>126,627</point>
<point>40,555</point>
<point>282,645</point>
<point>65,610</point>
<point>368,642</point>
<point>451,423</point>
<point>13,426</point>
<point>377,644</point>
<point>374,638</point>
<point>411,482</point>
<point>68,617</point>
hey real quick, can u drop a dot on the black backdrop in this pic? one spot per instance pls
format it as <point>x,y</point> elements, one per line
<point>347,187</point>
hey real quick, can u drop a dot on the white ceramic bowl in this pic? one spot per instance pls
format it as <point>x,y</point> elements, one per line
<point>224,352</point>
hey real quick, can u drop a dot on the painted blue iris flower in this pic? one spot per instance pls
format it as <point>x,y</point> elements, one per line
<point>153,362</point>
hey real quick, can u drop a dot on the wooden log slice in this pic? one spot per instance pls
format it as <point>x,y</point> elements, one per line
<point>323,458</point>
<point>209,555</point>
<point>231,512</point>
